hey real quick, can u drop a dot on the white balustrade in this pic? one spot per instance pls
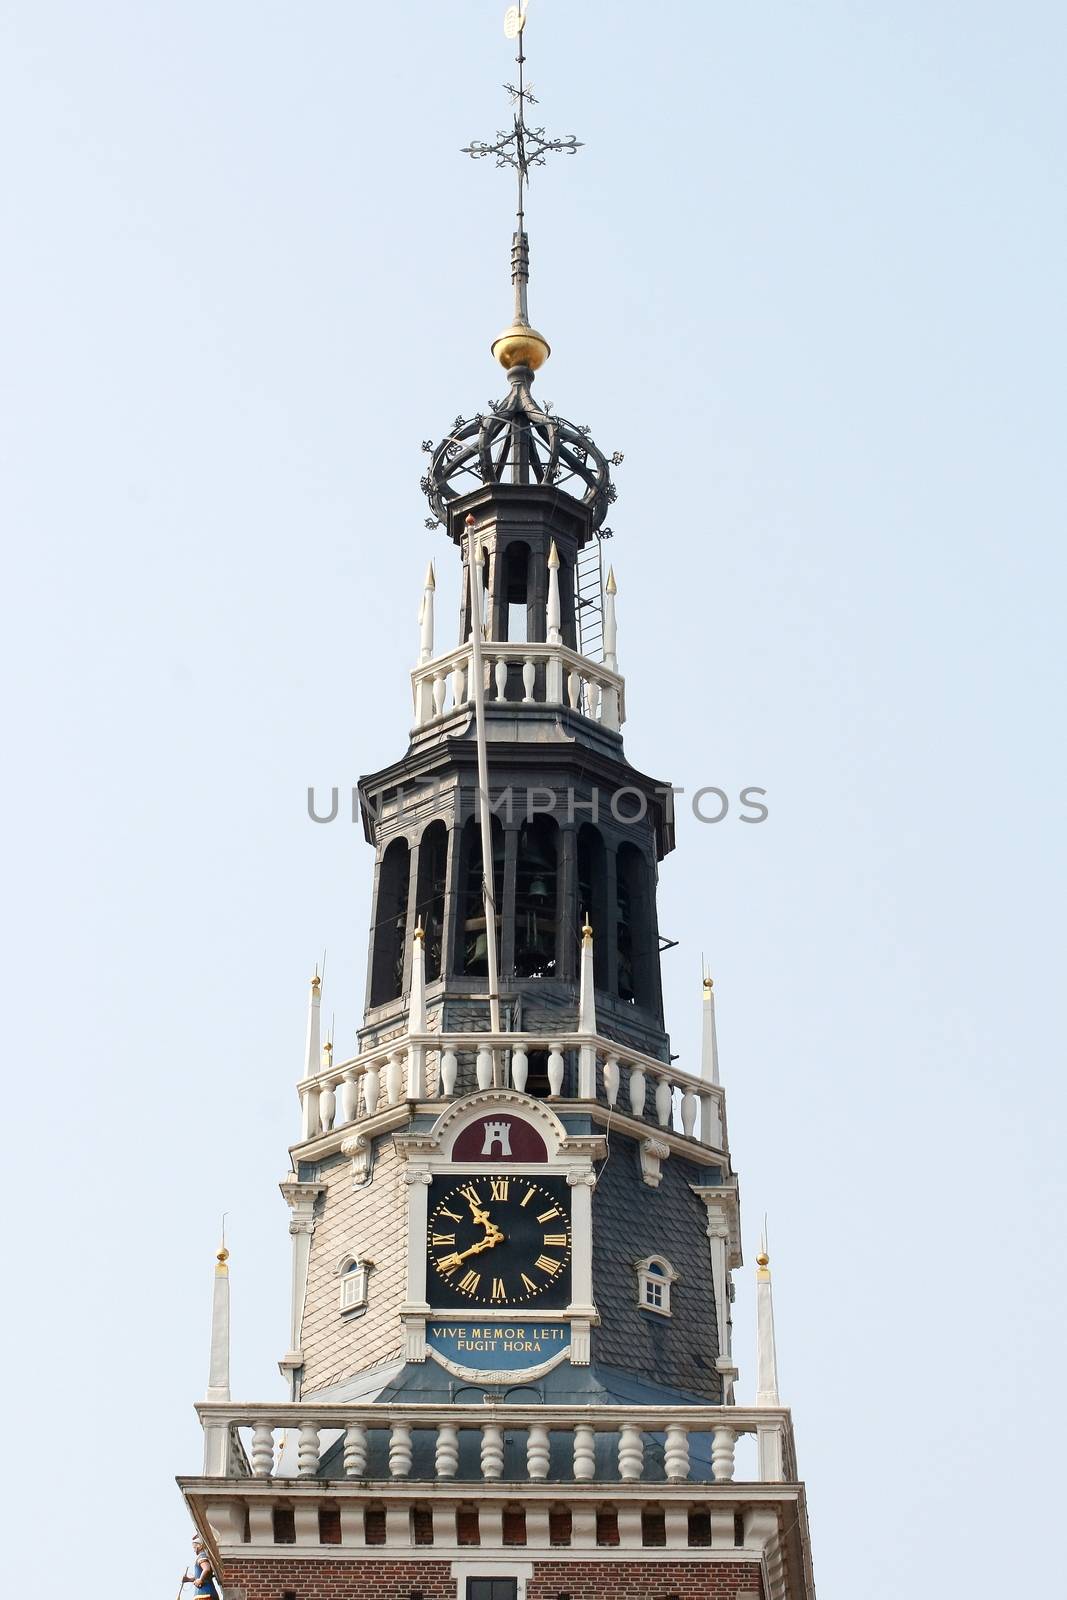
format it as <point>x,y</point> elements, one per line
<point>379,1080</point>
<point>669,1430</point>
<point>550,674</point>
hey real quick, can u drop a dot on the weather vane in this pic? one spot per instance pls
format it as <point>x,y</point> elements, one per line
<point>520,146</point>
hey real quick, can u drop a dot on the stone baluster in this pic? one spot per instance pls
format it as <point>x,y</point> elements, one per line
<point>520,1069</point>
<point>501,677</point>
<point>529,678</point>
<point>356,1451</point>
<point>349,1095</point>
<point>372,1086</point>
<point>676,1452</point>
<point>555,1068</point>
<point>484,1068</point>
<point>664,1100</point>
<point>459,684</point>
<point>400,1449</point>
<point>440,688</point>
<point>631,1453</point>
<point>307,1451</point>
<point>449,1069</point>
<point>492,1451</point>
<point>537,1452</point>
<point>262,1450</point>
<point>690,1110</point>
<point>637,1091</point>
<point>574,689</point>
<point>584,1453</point>
<point>394,1078</point>
<point>327,1106</point>
<point>592,697</point>
<point>611,1079</point>
<point>446,1453</point>
<point>723,1444</point>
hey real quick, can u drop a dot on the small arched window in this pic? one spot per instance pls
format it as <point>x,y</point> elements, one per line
<point>354,1273</point>
<point>655,1275</point>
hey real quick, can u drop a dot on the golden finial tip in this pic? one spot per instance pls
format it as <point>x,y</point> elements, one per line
<point>587,932</point>
<point>709,983</point>
<point>222,1255</point>
<point>763,1259</point>
<point>316,982</point>
<point>553,555</point>
<point>611,586</point>
<point>521,346</point>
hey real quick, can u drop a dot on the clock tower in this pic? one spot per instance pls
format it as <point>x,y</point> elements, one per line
<point>509,1371</point>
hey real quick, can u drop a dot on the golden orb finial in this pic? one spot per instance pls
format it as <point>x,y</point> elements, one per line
<point>316,982</point>
<point>521,346</point>
<point>709,983</point>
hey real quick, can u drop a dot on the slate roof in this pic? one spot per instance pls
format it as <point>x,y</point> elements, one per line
<point>632,1220</point>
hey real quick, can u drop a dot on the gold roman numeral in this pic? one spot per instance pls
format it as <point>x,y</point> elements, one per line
<point>470,1282</point>
<point>550,1238</point>
<point>531,1287</point>
<point>548,1264</point>
<point>500,1188</point>
<point>527,1197</point>
<point>543,1216</point>
<point>472,1194</point>
<point>452,1214</point>
<point>450,1238</point>
<point>498,1289</point>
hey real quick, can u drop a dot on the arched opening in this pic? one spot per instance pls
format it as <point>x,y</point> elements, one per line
<point>592,898</point>
<point>474,944</point>
<point>517,593</point>
<point>430,894</point>
<point>634,928</point>
<point>536,915</point>
<point>390,924</point>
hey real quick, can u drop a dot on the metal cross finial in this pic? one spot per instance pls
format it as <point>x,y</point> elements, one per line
<point>521,147</point>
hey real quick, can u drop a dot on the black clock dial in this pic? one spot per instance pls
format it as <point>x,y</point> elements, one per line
<point>500,1239</point>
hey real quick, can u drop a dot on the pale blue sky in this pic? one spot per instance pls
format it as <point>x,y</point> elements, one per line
<point>808,274</point>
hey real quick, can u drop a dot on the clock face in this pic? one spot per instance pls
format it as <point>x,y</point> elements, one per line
<point>500,1239</point>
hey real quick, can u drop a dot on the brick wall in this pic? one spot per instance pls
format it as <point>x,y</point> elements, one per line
<point>370,1579</point>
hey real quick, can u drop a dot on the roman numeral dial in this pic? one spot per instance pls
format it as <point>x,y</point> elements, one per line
<point>499,1239</point>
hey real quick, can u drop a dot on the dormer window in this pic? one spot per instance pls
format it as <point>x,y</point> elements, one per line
<point>353,1272</point>
<point>655,1275</point>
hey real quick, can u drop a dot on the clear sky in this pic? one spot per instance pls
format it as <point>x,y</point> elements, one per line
<point>807,273</point>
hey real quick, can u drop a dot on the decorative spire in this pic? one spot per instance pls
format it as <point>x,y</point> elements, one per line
<point>611,631</point>
<point>311,1048</point>
<point>586,999</point>
<point>766,1356</point>
<point>426,616</point>
<point>417,997</point>
<point>218,1382</point>
<point>709,1054</point>
<point>552,611</point>
<point>521,147</point>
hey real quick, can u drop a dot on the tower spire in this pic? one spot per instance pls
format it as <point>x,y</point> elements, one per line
<point>521,147</point>
<point>218,1382</point>
<point>766,1354</point>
